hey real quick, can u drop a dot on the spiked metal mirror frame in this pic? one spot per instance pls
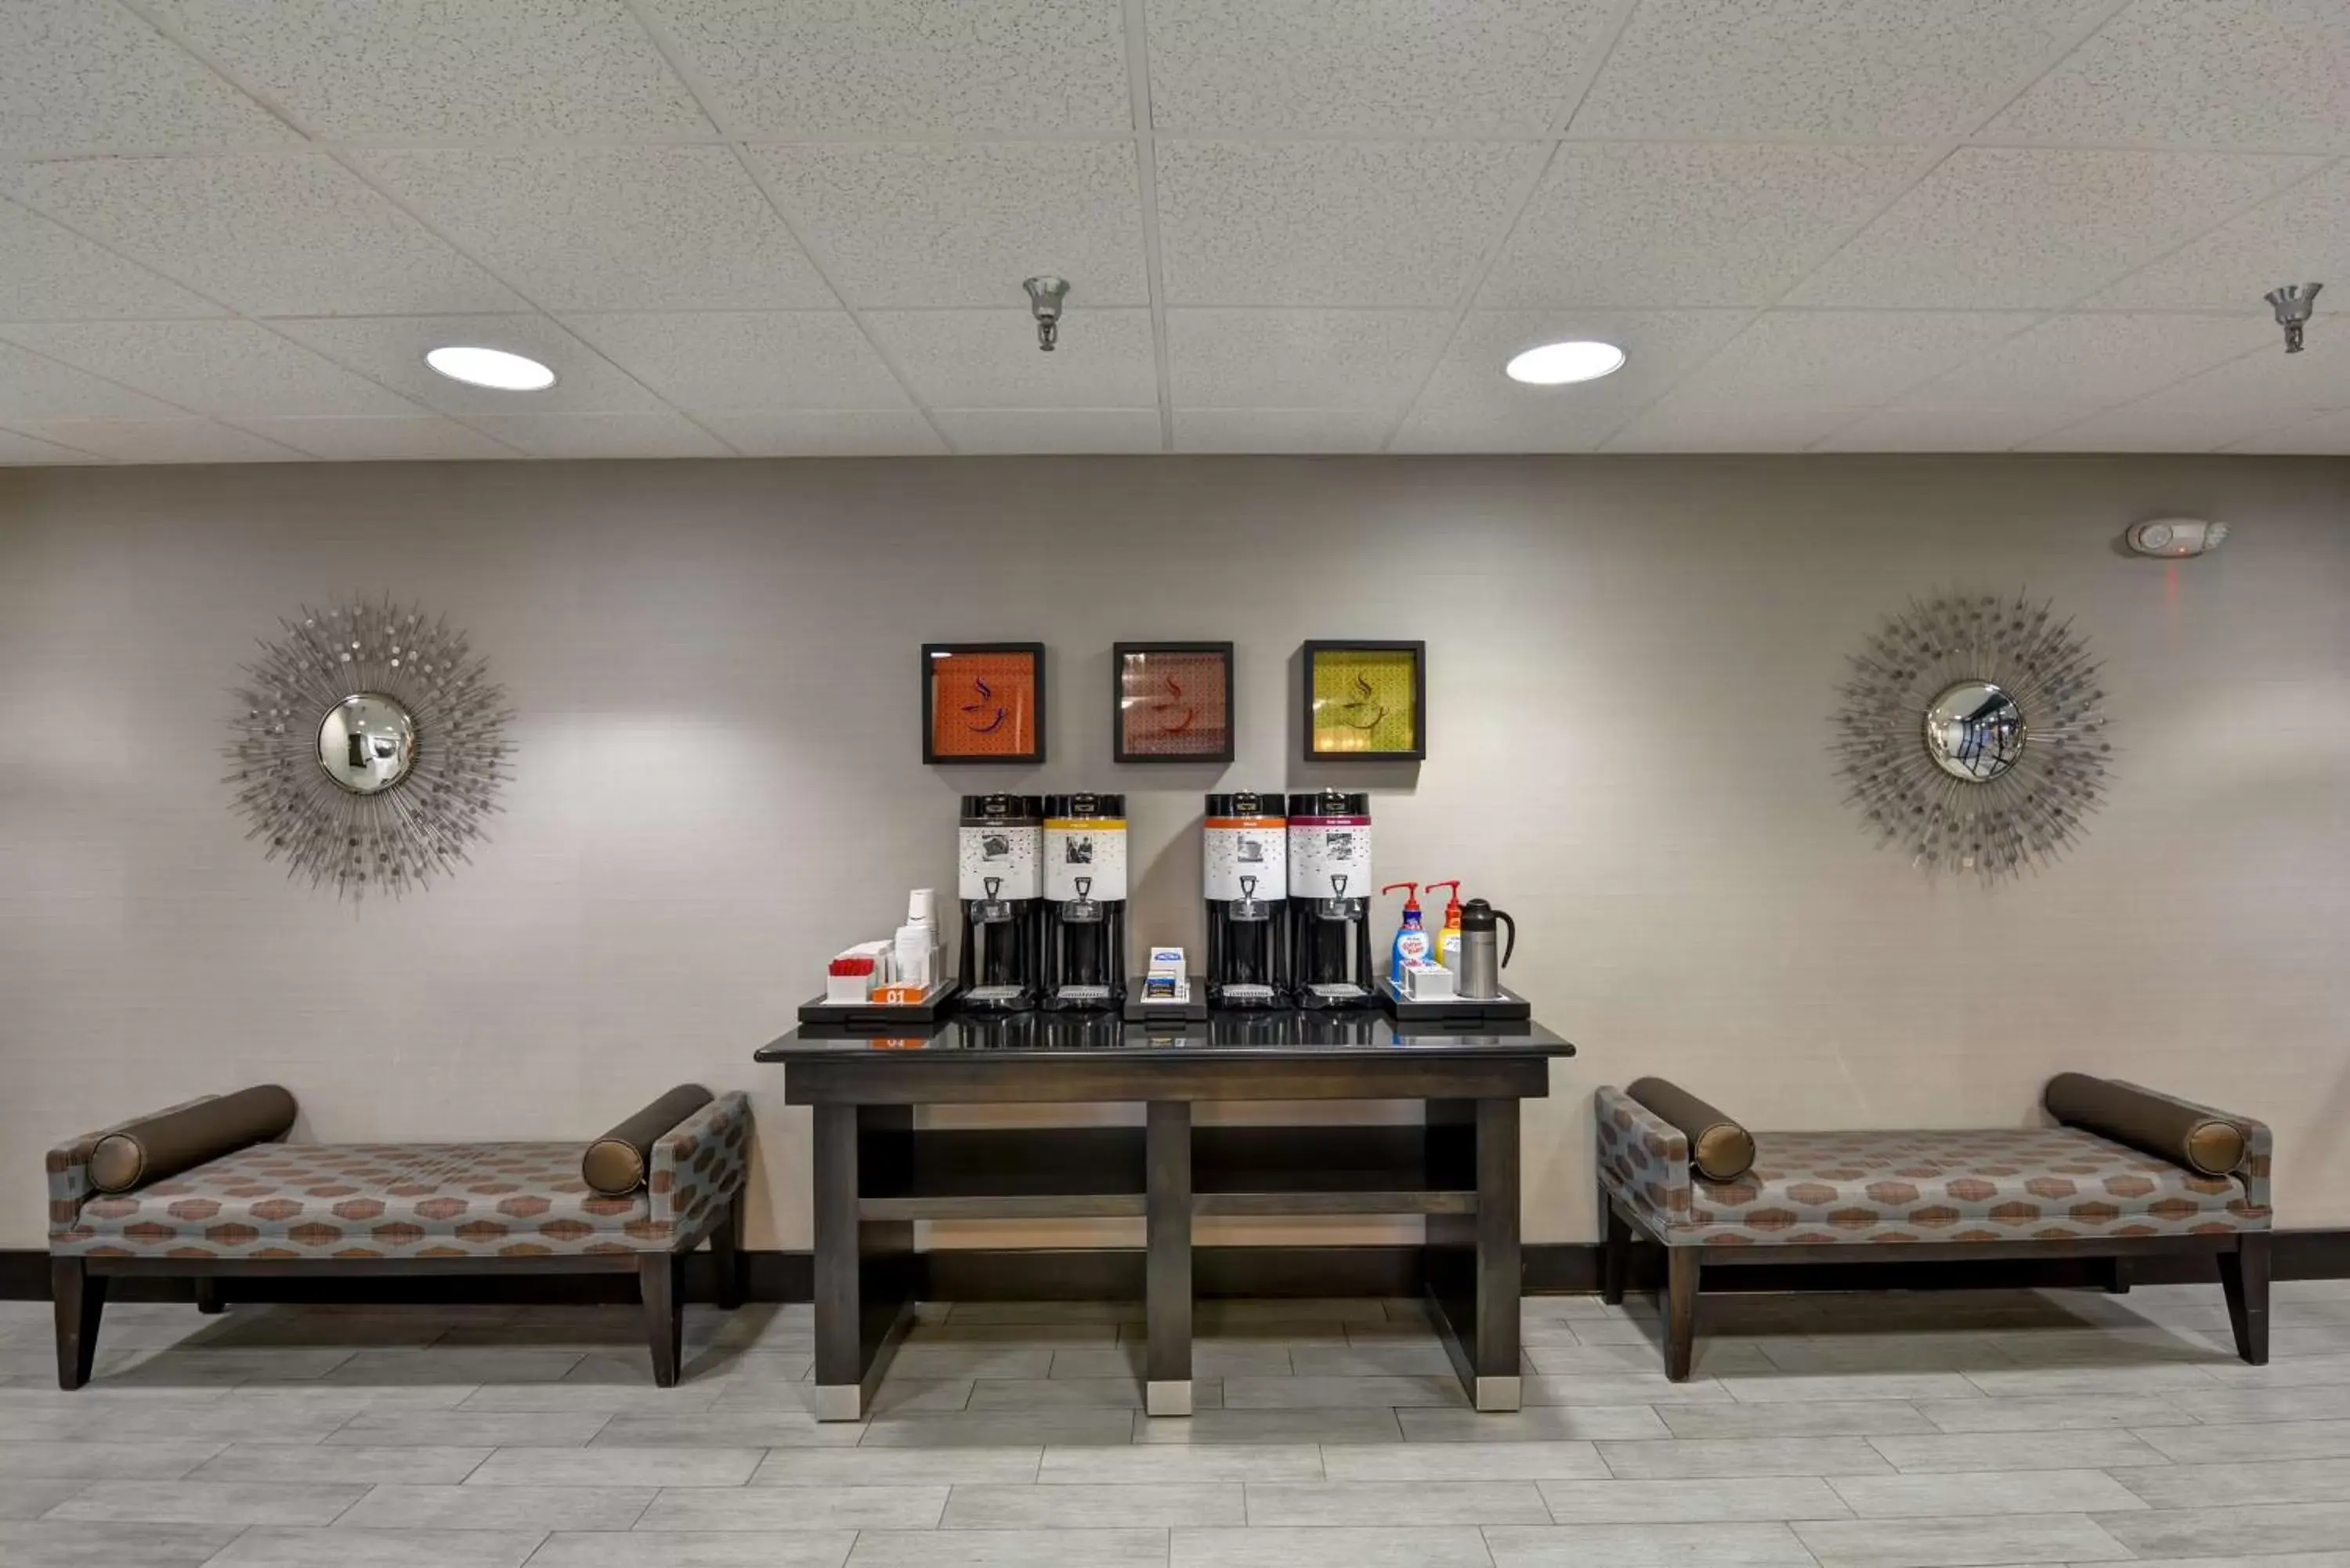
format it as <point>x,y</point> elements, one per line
<point>1972,733</point>
<point>369,747</point>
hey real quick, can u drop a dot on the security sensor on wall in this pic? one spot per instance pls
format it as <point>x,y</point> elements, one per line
<point>2177,536</point>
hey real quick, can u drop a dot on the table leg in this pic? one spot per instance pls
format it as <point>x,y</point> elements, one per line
<point>1473,1270</point>
<point>1167,1290</point>
<point>864,1268</point>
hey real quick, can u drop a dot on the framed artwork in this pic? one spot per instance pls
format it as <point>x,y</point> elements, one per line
<point>1174,701</point>
<point>982,702</point>
<point>1367,700</point>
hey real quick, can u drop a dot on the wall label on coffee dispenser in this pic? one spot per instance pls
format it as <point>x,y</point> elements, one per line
<point>1088,849</point>
<point>1329,855</point>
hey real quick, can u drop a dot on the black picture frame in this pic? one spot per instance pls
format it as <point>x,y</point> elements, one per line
<point>1312,653</point>
<point>1120,748</point>
<point>933,653</point>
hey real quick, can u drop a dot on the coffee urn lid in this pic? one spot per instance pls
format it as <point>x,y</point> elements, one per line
<point>1331,803</point>
<point>1081,805</point>
<point>1477,915</point>
<point>1246,803</point>
<point>1016,810</point>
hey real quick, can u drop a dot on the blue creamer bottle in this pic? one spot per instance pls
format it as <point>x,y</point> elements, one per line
<point>1411,937</point>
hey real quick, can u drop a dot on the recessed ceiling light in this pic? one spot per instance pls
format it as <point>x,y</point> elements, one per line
<point>490,368</point>
<point>1556,364</point>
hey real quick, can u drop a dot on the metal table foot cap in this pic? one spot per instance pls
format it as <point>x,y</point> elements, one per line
<point>841,1402</point>
<point>1174,1397</point>
<point>1496,1395</point>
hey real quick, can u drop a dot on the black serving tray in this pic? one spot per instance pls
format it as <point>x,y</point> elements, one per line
<point>1507,1007</point>
<point>1195,1011</point>
<point>878,1016</point>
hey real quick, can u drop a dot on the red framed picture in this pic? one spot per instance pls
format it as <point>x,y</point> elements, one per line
<point>1174,701</point>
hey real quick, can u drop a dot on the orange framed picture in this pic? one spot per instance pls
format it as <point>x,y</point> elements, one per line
<point>1174,701</point>
<point>982,702</point>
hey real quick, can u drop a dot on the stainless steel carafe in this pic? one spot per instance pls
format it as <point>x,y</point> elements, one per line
<point>1481,968</point>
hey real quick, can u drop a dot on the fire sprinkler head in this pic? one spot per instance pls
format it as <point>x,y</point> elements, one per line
<point>2292,302</point>
<point>1044,296</point>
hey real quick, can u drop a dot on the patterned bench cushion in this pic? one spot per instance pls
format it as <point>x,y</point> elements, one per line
<point>1812,1189</point>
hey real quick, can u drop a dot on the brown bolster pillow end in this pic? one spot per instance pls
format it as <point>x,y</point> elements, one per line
<point>180,1140</point>
<point>2210,1145</point>
<point>1720,1150</point>
<point>617,1163</point>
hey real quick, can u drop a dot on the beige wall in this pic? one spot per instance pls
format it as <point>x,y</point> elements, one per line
<point>1632,666</point>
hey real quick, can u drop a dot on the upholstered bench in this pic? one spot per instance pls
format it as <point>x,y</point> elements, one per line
<point>2124,1172</point>
<point>207,1190</point>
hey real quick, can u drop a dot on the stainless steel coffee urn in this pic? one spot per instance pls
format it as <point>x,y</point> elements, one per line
<point>1480,966</point>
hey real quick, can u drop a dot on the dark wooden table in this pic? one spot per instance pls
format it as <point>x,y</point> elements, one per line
<point>876,1172</point>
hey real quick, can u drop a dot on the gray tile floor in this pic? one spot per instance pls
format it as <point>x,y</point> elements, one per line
<point>1821,1432</point>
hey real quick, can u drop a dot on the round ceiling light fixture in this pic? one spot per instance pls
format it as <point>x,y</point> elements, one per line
<point>1561,364</point>
<point>492,367</point>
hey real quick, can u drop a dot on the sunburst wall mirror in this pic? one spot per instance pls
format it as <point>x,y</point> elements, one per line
<point>1972,733</point>
<point>370,746</point>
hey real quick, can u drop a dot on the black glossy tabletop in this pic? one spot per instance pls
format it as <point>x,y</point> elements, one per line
<point>1055,1036</point>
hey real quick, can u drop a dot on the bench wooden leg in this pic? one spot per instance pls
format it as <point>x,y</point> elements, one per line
<point>657,1281</point>
<point>208,1297</point>
<point>1615,1257</point>
<point>1681,1314</point>
<point>726,1254</point>
<point>2244,1276</point>
<point>79,1297</point>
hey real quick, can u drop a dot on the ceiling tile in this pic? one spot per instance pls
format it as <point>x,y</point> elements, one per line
<point>472,68</point>
<point>2085,362</point>
<point>2011,226</point>
<point>274,234</point>
<point>1003,431</point>
<point>1631,224</point>
<point>1471,406</point>
<point>228,368</point>
<point>1302,359</point>
<point>771,432</point>
<point>738,360</point>
<point>391,349</point>
<point>1823,69</point>
<point>1280,430</point>
<point>379,440</point>
<point>34,388</point>
<point>621,228</point>
<point>2265,386</point>
<point>603,435</point>
<point>1848,359</point>
<point>2200,73</point>
<point>164,441</point>
<point>989,358</point>
<point>21,451</point>
<point>2327,435</point>
<point>2139,428</point>
<point>933,224</point>
<point>48,273</point>
<point>1946,430</point>
<point>1673,426</point>
<point>894,67</point>
<point>2294,236</point>
<point>84,76</point>
<point>1399,67</point>
<point>1333,223</point>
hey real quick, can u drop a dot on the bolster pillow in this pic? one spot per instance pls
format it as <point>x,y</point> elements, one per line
<point>178,1140</point>
<point>615,1164</point>
<point>1720,1150</point>
<point>2180,1134</point>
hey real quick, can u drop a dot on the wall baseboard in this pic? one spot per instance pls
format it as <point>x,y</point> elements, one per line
<point>1113,1273</point>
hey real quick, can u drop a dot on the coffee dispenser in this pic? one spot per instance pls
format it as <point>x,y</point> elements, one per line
<point>1245,867</point>
<point>999,878</point>
<point>1085,900</point>
<point>1330,891</point>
